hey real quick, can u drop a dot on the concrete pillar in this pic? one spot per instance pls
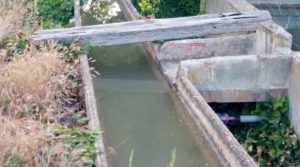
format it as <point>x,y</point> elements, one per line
<point>272,38</point>
<point>294,92</point>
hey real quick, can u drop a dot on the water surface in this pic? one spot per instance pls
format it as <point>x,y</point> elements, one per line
<point>139,112</point>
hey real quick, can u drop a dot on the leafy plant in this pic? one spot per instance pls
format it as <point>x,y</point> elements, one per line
<point>54,13</point>
<point>16,45</point>
<point>168,8</point>
<point>86,48</point>
<point>149,7</point>
<point>79,139</point>
<point>271,142</point>
<point>70,52</point>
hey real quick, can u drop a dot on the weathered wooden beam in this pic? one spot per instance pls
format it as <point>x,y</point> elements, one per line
<point>157,29</point>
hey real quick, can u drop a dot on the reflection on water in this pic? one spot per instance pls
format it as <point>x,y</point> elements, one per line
<point>137,112</point>
<point>98,12</point>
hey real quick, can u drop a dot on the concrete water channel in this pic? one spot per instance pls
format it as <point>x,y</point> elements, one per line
<point>139,111</point>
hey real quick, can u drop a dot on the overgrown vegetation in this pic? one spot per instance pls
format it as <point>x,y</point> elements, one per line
<point>168,8</point>
<point>271,142</point>
<point>10,18</point>
<point>42,115</point>
<point>54,13</point>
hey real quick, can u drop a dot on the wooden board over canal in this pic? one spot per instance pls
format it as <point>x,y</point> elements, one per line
<point>157,29</point>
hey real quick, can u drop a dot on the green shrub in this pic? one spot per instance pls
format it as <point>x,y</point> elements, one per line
<point>149,7</point>
<point>271,142</point>
<point>168,8</point>
<point>54,13</point>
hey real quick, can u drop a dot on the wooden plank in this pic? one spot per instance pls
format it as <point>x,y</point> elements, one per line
<point>77,15</point>
<point>157,29</point>
<point>129,10</point>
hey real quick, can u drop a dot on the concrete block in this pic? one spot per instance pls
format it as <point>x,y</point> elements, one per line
<point>204,48</point>
<point>236,73</point>
<point>272,38</point>
<point>274,72</point>
<point>169,69</point>
<point>239,78</point>
<point>294,92</point>
<point>201,76</point>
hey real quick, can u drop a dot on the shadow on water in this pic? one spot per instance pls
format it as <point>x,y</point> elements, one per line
<point>139,112</point>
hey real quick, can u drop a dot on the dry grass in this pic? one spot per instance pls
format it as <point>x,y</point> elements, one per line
<point>30,82</point>
<point>36,96</point>
<point>27,143</point>
<point>30,97</point>
<point>32,72</point>
<point>33,87</point>
<point>20,140</point>
<point>10,16</point>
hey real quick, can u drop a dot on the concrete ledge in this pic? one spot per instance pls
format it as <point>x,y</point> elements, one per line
<point>206,47</point>
<point>294,92</point>
<point>90,99</point>
<point>171,53</point>
<point>228,96</point>
<point>230,152</point>
<point>91,110</point>
<point>239,78</point>
<point>292,3</point>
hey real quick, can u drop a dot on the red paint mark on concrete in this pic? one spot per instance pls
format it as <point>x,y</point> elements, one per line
<point>170,44</point>
<point>189,47</point>
<point>192,46</point>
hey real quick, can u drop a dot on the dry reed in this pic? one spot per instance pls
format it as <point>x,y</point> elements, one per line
<point>34,91</point>
<point>31,82</point>
<point>10,17</point>
<point>30,143</point>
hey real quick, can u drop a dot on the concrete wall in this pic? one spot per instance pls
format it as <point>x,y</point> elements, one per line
<point>294,92</point>
<point>90,99</point>
<point>171,53</point>
<point>208,47</point>
<point>230,152</point>
<point>239,78</point>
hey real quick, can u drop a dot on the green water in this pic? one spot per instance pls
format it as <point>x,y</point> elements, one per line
<point>139,112</point>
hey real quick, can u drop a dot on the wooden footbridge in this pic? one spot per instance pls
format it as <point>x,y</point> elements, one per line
<point>144,30</point>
